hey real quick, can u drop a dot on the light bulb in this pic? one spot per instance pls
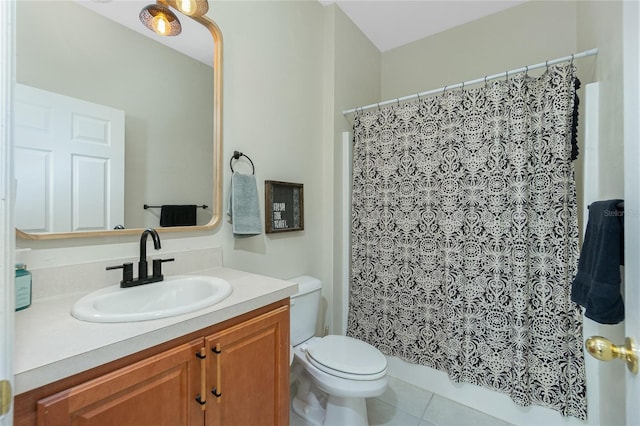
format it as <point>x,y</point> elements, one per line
<point>185,6</point>
<point>190,7</point>
<point>160,24</point>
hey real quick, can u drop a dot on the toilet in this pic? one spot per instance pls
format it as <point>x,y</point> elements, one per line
<point>334,373</point>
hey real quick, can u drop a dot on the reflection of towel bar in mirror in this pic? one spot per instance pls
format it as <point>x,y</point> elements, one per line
<point>236,155</point>
<point>146,206</point>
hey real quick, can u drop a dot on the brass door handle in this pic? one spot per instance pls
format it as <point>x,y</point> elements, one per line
<point>5,397</point>
<point>603,349</point>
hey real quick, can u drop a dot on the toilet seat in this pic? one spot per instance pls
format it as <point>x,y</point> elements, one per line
<point>346,357</point>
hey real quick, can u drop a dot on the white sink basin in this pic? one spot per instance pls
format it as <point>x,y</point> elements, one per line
<point>173,296</point>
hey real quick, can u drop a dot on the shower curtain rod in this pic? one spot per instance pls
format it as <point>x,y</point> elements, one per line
<point>505,74</point>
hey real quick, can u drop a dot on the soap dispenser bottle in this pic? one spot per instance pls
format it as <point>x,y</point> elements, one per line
<point>23,287</point>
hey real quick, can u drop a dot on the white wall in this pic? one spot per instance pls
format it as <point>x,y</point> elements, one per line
<point>530,33</point>
<point>526,34</point>
<point>357,77</point>
<point>600,25</point>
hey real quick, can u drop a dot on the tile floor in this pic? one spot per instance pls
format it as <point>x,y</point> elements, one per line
<point>403,404</point>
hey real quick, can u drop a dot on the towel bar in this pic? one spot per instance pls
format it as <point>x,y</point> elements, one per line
<point>146,206</point>
<point>236,155</point>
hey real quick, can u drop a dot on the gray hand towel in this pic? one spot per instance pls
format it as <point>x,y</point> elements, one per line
<point>243,205</point>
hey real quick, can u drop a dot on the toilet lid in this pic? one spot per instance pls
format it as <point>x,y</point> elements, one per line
<point>347,357</point>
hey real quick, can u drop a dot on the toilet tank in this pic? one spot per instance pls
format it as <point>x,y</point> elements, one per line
<point>304,308</point>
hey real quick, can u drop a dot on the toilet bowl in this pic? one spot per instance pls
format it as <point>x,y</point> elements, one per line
<point>335,373</point>
<point>363,375</point>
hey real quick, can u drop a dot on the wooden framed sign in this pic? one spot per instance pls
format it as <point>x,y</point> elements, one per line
<point>284,206</point>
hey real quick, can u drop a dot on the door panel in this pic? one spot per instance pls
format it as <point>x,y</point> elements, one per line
<point>248,372</point>
<point>631,55</point>
<point>90,193</point>
<point>7,239</point>
<point>35,182</point>
<point>82,145</point>
<point>157,391</point>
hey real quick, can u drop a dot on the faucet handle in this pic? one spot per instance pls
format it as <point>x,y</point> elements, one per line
<point>127,271</point>
<point>157,266</point>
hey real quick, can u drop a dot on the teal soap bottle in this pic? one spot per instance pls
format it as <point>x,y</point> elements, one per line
<point>23,287</point>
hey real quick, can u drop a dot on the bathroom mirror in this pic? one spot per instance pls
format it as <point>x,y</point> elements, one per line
<point>172,103</point>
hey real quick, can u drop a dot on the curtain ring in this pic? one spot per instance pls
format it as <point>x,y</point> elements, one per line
<point>462,89</point>
<point>444,91</point>
<point>506,76</point>
<point>378,103</point>
<point>485,81</point>
<point>398,101</point>
<point>571,59</point>
<point>546,64</point>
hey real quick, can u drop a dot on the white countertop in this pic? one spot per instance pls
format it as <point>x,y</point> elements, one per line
<point>50,344</point>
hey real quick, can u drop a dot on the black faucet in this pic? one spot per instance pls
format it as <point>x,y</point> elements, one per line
<point>143,270</point>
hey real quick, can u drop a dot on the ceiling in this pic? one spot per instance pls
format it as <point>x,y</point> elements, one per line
<point>387,23</point>
<point>393,23</point>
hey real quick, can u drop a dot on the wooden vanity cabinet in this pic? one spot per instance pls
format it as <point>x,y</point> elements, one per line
<point>241,366</point>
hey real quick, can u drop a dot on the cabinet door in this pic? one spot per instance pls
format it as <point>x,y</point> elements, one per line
<point>248,372</point>
<point>160,390</point>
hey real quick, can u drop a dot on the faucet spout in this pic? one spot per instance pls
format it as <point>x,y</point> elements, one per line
<point>143,271</point>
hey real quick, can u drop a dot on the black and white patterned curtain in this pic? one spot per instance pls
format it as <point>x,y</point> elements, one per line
<point>465,237</point>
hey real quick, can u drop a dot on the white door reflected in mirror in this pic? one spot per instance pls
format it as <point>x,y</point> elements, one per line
<point>69,163</point>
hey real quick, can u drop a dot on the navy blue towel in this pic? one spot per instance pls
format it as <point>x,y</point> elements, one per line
<point>596,286</point>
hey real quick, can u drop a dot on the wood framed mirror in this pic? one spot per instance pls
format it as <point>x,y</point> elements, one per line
<point>172,119</point>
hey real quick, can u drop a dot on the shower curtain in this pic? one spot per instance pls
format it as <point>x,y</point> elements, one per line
<point>465,237</point>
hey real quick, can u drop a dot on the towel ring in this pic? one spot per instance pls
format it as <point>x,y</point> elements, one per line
<point>236,155</point>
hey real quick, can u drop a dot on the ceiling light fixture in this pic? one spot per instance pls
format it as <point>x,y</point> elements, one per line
<point>191,7</point>
<point>160,19</point>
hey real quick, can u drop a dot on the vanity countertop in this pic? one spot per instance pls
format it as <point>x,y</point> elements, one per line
<point>50,344</point>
